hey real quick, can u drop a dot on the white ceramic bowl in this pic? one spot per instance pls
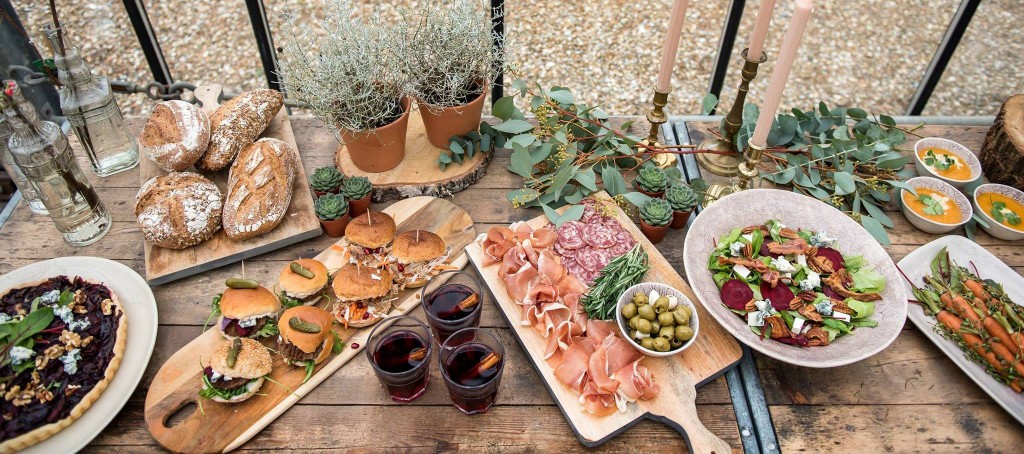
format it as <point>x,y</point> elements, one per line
<point>664,290</point>
<point>928,225</point>
<point>961,151</point>
<point>994,228</point>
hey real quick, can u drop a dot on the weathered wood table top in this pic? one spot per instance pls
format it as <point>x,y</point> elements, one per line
<point>909,397</point>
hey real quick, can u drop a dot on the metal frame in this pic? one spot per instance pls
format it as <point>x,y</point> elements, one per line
<point>498,26</point>
<point>147,41</point>
<point>264,41</point>
<point>725,46</point>
<point>950,41</point>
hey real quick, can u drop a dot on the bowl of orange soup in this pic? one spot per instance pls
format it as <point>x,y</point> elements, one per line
<point>937,207</point>
<point>946,160</point>
<point>1002,207</point>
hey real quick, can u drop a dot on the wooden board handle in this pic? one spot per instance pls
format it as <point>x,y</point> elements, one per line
<point>676,407</point>
<point>209,97</point>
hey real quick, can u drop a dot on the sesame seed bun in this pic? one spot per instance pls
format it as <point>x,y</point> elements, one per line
<point>239,303</point>
<point>408,250</point>
<point>253,360</point>
<point>308,342</point>
<point>361,231</point>
<point>352,283</point>
<point>296,286</point>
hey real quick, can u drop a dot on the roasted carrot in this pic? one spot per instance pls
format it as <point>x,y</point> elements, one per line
<point>999,332</point>
<point>1018,339</point>
<point>1015,386</point>
<point>1004,354</point>
<point>966,310</point>
<point>976,288</point>
<point>978,346</point>
<point>949,319</point>
<point>980,305</point>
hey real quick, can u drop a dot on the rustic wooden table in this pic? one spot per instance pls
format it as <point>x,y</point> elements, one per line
<point>909,397</point>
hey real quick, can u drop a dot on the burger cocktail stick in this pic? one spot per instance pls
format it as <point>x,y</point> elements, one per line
<point>246,309</point>
<point>236,371</point>
<point>368,238</point>
<point>364,295</point>
<point>302,282</point>
<point>306,337</point>
<point>417,256</point>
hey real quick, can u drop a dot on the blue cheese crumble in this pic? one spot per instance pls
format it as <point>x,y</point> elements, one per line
<point>824,308</point>
<point>21,354</point>
<point>782,265</point>
<point>811,282</point>
<point>821,239</point>
<point>70,361</point>
<point>735,249</point>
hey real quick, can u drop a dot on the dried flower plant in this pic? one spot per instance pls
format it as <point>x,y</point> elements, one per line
<point>451,51</point>
<point>356,79</point>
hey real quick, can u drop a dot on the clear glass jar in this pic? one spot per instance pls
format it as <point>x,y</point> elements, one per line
<point>91,109</point>
<point>28,194</point>
<point>40,149</point>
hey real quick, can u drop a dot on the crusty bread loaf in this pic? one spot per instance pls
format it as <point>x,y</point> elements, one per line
<point>176,135</point>
<point>259,188</point>
<point>178,210</point>
<point>236,124</point>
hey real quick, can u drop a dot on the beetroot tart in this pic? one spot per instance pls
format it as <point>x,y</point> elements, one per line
<point>61,342</point>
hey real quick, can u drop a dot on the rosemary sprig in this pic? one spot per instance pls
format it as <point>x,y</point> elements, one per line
<point>620,274</point>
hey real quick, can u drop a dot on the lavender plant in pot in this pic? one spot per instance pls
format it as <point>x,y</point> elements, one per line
<point>326,180</point>
<point>452,56</point>
<point>332,209</point>
<point>357,191</point>
<point>655,216</point>
<point>651,180</point>
<point>352,78</point>
<point>682,198</point>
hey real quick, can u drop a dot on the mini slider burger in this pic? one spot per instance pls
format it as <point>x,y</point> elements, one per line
<point>417,256</point>
<point>364,295</point>
<point>248,310</point>
<point>306,337</point>
<point>368,238</point>
<point>302,282</point>
<point>236,371</point>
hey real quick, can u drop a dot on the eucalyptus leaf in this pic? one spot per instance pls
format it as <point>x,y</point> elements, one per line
<point>504,108</point>
<point>637,198</point>
<point>876,212</point>
<point>514,126</point>
<point>614,183</point>
<point>708,104</point>
<point>520,163</point>
<point>844,183</point>
<point>587,179</point>
<point>875,229</point>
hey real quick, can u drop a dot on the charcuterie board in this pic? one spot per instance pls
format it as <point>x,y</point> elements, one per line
<point>224,427</point>
<point>299,224</point>
<point>713,352</point>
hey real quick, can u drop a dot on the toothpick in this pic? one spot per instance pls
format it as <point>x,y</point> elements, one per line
<point>243,269</point>
<point>369,219</point>
<point>417,235</point>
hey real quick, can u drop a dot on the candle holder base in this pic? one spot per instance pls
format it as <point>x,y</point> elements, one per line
<point>717,191</point>
<point>719,164</point>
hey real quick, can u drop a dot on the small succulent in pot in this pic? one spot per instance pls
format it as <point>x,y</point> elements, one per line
<point>682,198</point>
<point>655,216</point>
<point>357,191</point>
<point>326,180</point>
<point>651,180</point>
<point>332,209</point>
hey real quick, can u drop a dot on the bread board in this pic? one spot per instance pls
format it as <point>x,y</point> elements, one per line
<point>225,427</point>
<point>713,352</point>
<point>418,173</point>
<point>300,223</point>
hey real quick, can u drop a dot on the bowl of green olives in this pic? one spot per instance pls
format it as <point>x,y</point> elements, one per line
<point>659,320</point>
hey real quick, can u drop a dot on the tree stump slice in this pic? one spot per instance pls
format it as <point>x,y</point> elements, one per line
<point>418,174</point>
<point>1002,155</point>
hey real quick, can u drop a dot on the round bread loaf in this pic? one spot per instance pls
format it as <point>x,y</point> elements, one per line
<point>176,135</point>
<point>178,210</point>
<point>236,124</point>
<point>259,188</point>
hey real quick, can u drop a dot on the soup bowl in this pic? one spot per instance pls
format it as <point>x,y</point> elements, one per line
<point>996,228</point>
<point>965,156</point>
<point>930,225</point>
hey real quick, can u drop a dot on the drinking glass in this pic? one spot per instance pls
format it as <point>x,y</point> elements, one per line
<point>399,350</point>
<point>441,298</point>
<point>472,360</point>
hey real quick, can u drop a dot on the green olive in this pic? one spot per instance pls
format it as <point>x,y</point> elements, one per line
<point>633,320</point>
<point>646,312</point>
<point>632,334</point>
<point>661,305</point>
<point>687,309</point>
<point>684,333</point>
<point>667,332</point>
<point>629,310</point>
<point>655,327</point>
<point>681,316</point>
<point>647,343</point>
<point>640,299</point>
<point>661,344</point>
<point>644,326</point>
<point>666,319</point>
<point>676,343</point>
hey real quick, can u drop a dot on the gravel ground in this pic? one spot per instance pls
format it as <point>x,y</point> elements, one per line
<point>870,54</point>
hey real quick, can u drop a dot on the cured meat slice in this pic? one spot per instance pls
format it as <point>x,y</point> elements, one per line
<point>570,235</point>
<point>591,259</point>
<point>563,251</point>
<point>543,238</point>
<point>599,235</point>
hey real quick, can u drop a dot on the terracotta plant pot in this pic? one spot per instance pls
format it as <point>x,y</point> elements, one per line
<point>442,124</point>
<point>335,228</point>
<point>679,219</point>
<point>655,234</point>
<point>318,194</point>
<point>358,207</point>
<point>653,195</point>
<point>379,150</point>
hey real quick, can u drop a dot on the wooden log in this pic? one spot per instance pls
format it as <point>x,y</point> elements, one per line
<point>1002,155</point>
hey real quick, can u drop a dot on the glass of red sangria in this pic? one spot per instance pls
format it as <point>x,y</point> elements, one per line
<point>472,360</point>
<point>399,350</point>
<point>452,304</point>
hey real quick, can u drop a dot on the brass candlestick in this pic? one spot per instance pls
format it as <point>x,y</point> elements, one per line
<point>728,165</point>
<point>747,171</point>
<point>657,117</point>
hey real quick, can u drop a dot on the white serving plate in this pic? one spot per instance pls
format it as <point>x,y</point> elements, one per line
<point>140,307</point>
<point>917,264</point>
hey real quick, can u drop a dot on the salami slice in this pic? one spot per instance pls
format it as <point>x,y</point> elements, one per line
<point>592,259</point>
<point>570,235</point>
<point>563,251</point>
<point>599,236</point>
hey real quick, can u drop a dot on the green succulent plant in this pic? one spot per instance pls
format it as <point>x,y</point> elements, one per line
<point>656,212</point>
<point>355,188</point>
<point>681,197</point>
<point>326,179</point>
<point>651,179</point>
<point>329,207</point>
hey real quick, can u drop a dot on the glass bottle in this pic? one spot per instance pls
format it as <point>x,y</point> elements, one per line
<point>42,152</point>
<point>91,109</point>
<point>28,194</point>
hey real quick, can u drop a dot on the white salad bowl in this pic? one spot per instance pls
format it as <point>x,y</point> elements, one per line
<point>755,206</point>
<point>965,155</point>
<point>663,290</point>
<point>994,228</point>
<point>928,225</point>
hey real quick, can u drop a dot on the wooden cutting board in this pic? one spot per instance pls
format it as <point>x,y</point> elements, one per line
<point>300,223</point>
<point>224,427</point>
<point>714,352</point>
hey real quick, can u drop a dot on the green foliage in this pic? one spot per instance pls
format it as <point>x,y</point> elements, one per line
<point>681,197</point>
<point>931,206</point>
<point>651,179</point>
<point>329,207</point>
<point>461,148</point>
<point>20,334</point>
<point>656,212</point>
<point>943,162</point>
<point>1009,216</point>
<point>326,179</point>
<point>355,188</point>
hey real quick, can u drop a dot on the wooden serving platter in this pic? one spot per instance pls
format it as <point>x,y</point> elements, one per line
<point>418,173</point>
<point>713,352</point>
<point>224,427</point>
<point>300,223</point>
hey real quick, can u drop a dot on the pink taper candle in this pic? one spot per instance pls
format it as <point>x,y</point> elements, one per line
<point>780,74</point>
<point>671,46</point>
<point>764,19</point>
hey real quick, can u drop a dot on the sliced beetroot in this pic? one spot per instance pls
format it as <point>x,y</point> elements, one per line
<point>834,256</point>
<point>780,296</point>
<point>736,294</point>
<point>800,340</point>
<point>831,293</point>
<point>764,250</point>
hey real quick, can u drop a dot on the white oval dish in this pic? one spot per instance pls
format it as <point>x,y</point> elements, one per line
<point>960,151</point>
<point>928,225</point>
<point>662,289</point>
<point>994,228</point>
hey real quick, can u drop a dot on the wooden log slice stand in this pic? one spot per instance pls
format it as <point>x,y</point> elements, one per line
<point>1002,155</point>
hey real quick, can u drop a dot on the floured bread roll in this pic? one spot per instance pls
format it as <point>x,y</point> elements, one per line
<point>176,135</point>
<point>178,210</point>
